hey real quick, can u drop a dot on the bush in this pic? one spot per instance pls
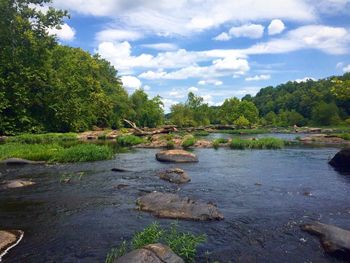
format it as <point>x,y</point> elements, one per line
<point>263,143</point>
<point>183,244</point>
<point>129,140</point>
<point>43,138</point>
<point>188,141</point>
<point>217,142</point>
<point>241,122</point>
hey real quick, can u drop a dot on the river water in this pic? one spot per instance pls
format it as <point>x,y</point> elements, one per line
<point>263,194</point>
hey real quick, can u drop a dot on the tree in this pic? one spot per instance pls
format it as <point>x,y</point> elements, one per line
<point>242,122</point>
<point>325,114</point>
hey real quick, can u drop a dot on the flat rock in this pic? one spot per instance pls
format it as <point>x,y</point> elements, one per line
<point>16,184</point>
<point>8,240</point>
<point>176,156</point>
<point>19,161</point>
<point>333,239</point>
<point>166,205</point>
<point>175,175</point>
<point>341,160</point>
<point>154,253</point>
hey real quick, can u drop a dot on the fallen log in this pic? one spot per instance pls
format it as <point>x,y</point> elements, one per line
<point>143,132</point>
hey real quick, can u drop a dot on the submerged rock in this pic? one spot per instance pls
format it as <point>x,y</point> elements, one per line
<point>176,156</point>
<point>120,170</point>
<point>154,253</point>
<point>19,161</point>
<point>166,205</point>
<point>16,184</point>
<point>8,240</point>
<point>175,175</point>
<point>341,160</point>
<point>333,239</point>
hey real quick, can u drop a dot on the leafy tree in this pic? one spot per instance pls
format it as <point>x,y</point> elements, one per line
<point>325,114</point>
<point>242,122</point>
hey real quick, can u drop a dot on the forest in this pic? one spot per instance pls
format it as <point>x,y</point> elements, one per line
<point>48,87</point>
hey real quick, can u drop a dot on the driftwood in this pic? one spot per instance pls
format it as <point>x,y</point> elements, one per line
<point>144,132</point>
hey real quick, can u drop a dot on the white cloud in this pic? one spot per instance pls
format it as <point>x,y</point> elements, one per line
<point>167,104</point>
<point>161,46</point>
<point>146,87</point>
<point>111,35</point>
<point>131,82</point>
<point>250,30</point>
<point>305,79</point>
<point>258,77</point>
<point>65,33</point>
<point>177,94</point>
<point>276,27</point>
<point>222,37</point>
<point>214,82</point>
<point>192,89</point>
<point>347,68</point>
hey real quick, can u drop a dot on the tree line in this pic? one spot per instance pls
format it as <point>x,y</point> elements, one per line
<point>45,86</point>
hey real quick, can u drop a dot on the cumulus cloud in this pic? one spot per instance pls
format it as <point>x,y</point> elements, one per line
<point>276,27</point>
<point>161,46</point>
<point>222,37</point>
<point>258,77</point>
<point>192,89</point>
<point>347,68</point>
<point>214,82</point>
<point>65,33</point>
<point>111,35</point>
<point>305,79</point>
<point>253,31</point>
<point>131,82</point>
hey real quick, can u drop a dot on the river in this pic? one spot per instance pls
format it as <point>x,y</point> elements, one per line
<point>263,194</point>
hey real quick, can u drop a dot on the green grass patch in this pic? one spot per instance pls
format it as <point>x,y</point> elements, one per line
<point>43,138</point>
<point>244,131</point>
<point>217,142</point>
<point>263,143</point>
<point>201,133</point>
<point>183,244</point>
<point>345,136</point>
<point>55,152</point>
<point>129,140</point>
<point>188,141</point>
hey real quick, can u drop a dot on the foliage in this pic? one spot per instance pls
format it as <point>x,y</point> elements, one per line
<point>188,141</point>
<point>170,144</point>
<point>263,143</point>
<point>345,136</point>
<point>181,243</point>
<point>241,122</point>
<point>43,138</point>
<point>55,152</point>
<point>129,140</point>
<point>341,89</point>
<point>201,133</point>
<point>325,114</point>
<point>217,142</point>
<point>245,131</point>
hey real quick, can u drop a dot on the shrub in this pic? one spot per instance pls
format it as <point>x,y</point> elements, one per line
<point>242,122</point>
<point>345,136</point>
<point>129,140</point>
<point>183,244</point>
<point>263,143</point>
<point>188,141</point>
<point>217,142</point>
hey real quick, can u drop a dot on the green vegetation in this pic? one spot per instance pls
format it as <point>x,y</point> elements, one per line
<point>47,87</point>
<point>263,143</point>
<point>188,141</point>
<point>129,140</point>
<point>43,138</point>
<point>217,142</point>
<point>345,136</point>
<point>201,133</point>
<point>245,131</point>
<point>183,244</point>
<point>55,153</point>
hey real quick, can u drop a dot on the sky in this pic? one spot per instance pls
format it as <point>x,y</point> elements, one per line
<point>215,48</point>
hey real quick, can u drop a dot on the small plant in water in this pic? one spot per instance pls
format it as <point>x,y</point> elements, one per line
<point>188,141</point>
<point>129,140</point>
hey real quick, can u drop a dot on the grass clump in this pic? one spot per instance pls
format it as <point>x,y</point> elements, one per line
<point>188,141</point>
<point>245,131</point>
<point>129,140</point>
<point>201,133</point>
<point>217,142</point>
<point>183,244</point>
<point>55,152</point>
<point>345,136</point>
<point>263,143</point>
<point>28,138</point>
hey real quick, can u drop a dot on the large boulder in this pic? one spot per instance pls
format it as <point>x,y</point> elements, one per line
<point>19,161</point>
<point>8,240</point>
<point>15,184</point>
<point>176,156</point>
<point>175,175</point>
<point>166,205</point>
<point>341,160</point>
<point>333,239</point>
<point>154,253</point>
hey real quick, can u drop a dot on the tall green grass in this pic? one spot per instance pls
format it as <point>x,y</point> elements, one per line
<point>129,140</point>
<point>188,141</point>
<point>201,133</point>
<point>244,131</point>
<point>55,153</point>
<point>345,136</point>
<point>43,138</point>
<point>181,243</point>
<point>263,143</point>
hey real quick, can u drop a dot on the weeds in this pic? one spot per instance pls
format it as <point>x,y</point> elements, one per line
<point>43,138</point>
<point>188,141</point>
<point>263,143</point>
<point>129,140</point>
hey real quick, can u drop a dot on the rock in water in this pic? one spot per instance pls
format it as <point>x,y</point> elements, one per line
<point>341,160</point>
<point>8,240</point>
<point>333,239</point>
<point>18,161</point>
<point>175,175</point>
<point>166,205</point>
<point>176,156</point>
<point>154,253</point>
<point>15,184</point>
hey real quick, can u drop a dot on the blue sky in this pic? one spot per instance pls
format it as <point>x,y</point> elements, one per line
<point>217,49</point>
